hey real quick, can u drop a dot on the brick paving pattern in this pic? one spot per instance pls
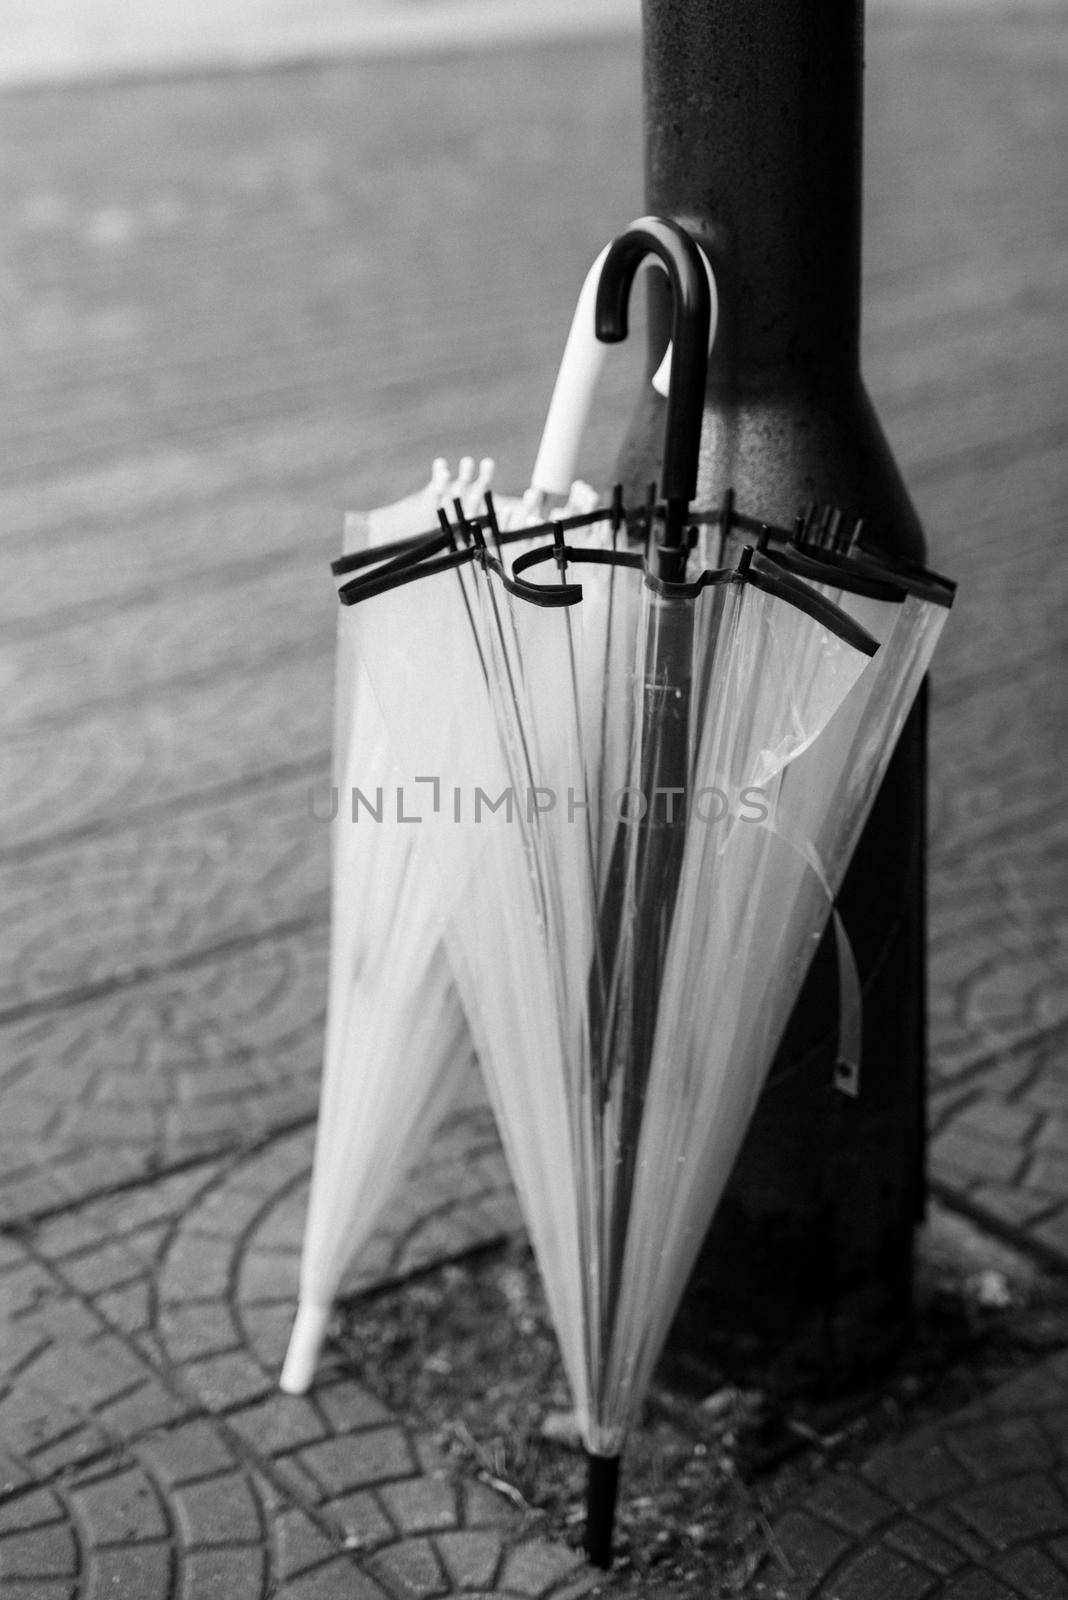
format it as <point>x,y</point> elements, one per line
<point>973,1509</point>
<point>241,306</point>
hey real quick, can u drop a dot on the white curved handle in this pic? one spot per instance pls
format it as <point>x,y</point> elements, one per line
<point>569,409</point>
<point>580,367</point>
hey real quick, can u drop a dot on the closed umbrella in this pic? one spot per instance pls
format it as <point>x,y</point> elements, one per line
<point>582,952</point>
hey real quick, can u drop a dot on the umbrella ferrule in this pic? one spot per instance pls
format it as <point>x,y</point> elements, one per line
<point>602,1489</point>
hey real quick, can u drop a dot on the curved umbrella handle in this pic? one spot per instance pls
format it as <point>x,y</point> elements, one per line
<point>569,408</point>
<point>580,369</point>
<point>691,314</point>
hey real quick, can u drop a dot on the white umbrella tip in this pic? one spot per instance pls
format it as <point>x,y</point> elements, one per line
<point>305,1343</point>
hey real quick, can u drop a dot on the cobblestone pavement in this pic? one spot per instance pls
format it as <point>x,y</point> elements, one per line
<point>234,318</point>
<point>973,1509</point>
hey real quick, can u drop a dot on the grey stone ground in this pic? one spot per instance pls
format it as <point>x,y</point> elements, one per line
<point>236,306</point>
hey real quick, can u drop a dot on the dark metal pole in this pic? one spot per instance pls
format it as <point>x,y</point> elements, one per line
<point>753,130</point>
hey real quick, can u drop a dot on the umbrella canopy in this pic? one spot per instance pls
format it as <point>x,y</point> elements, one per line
<point>398,1044</point>
<point>385,1086</point>
<point>605,969</point>
<point>625,798</point>
<point>607,958</point>
<point>391,999</point>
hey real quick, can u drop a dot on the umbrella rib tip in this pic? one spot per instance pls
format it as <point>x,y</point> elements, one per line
<point>305,1344</point>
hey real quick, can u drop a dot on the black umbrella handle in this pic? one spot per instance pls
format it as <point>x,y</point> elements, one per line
<point>691,316</point>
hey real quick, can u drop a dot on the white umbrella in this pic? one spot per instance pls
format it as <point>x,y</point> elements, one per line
<point>382,1097</point>
<point>391,999</point>
<point>397,1044</point>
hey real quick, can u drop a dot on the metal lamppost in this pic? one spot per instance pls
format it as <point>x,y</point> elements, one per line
<point>753,138</point>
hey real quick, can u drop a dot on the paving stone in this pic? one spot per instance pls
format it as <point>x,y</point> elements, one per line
<point>54,1589</point>
<point>196,1271</point>
<point>279,1423</point>
<point>139,1573</point>
<point>878,1574</point>
<point>41,1428</point>
<point>225,1574</point>
<point>19,1343</point>
<point>122,1508</point>
<point>1032,1574</point>
<point>28,1287</point>
<point>1053,1232</point>
<point>969,1539</point>
<point>925,1547</point>
<point>297,1482</point>
<point>470,1558</point>
<point>991,1450</point>
<point>977,1586</point>
<point>299,1542</point>
<point>127,1309</point>
<point>59,1316</point>
<point>191,1332</point>
<point>1014,1208</point>
<point>87,1375</point>
<point>536,1567</point>
<point>411,1567</point>
<point>483,1508</point>
<point>362,1520</point>
<point>227,1380</point>
<point>342,1464</point>
<point>421,1505</point>
<point>1013,1510</point>
<point>220,1510</point>
<point>338,1580</point>
<point>961,1153</point>
<point>32,1510</point>
<point>109,1267</point>
<point>150,1406</point>
<point>849,1504</point>
<point>349,1407</point>
<point>1048,1173</point>
<point>185,1454</point>
<point>47,1552</point>
<point>13,1475</point>
<point>268,1273</point>
<point>917,1472</point>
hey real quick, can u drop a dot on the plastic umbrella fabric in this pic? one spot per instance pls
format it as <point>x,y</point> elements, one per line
<point>387,968</point>
<point>391,998</point>
<point>619,1132</point>
<point>625,977</point>
<point>388,972</point>
<point>820,805</point>
<point>601,966</point>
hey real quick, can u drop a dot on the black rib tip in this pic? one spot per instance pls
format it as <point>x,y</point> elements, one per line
<point>602,1488</point>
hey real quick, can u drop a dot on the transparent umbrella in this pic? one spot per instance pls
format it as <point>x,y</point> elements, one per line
<point>619,1129</point>
<point>391,998</point>
<point>397,1045</point>
<point>607,968</point>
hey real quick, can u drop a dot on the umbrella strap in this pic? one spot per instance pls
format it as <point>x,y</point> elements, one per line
<point>849,1047</point>
<point>850,1011</point>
